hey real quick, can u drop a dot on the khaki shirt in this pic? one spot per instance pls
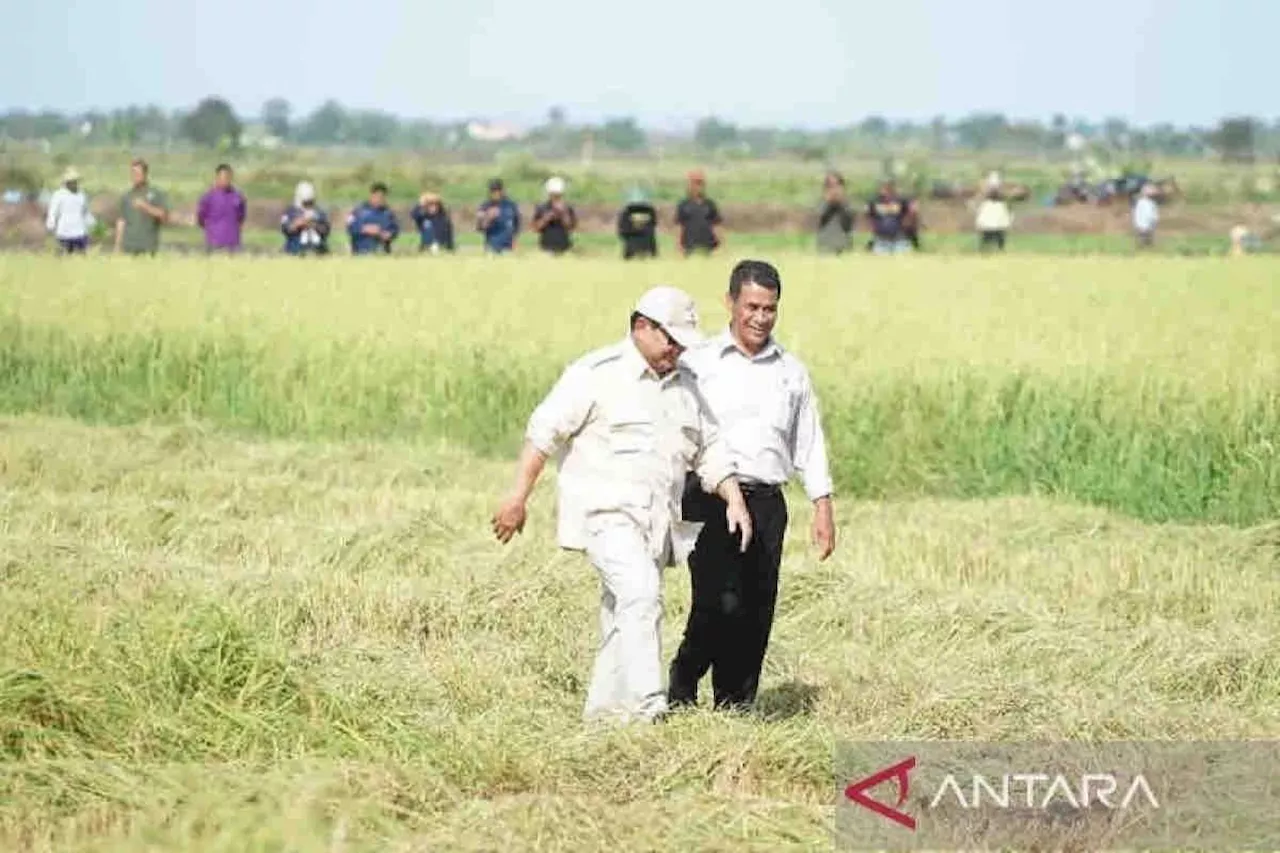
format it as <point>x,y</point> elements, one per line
<point>623,440</point>
<point>767,412</point>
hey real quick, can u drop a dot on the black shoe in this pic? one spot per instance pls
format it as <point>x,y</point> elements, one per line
<point>679,694</point>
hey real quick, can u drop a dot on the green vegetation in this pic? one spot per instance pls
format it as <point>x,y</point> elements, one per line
<point>1142,436</point>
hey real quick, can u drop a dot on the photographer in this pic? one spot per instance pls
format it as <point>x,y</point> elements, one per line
<point>555,220</point>
<point>373,226</point>
<point>305,226</point>
<point>498,218</point>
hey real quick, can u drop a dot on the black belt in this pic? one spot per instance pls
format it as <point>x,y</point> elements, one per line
<point>752,488</point>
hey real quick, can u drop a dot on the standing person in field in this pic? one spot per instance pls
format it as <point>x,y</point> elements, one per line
<point>373,226</point>
<point>763,400</point>
<point>555,220</point>
<point>698,218</point>
<point>888,213</point>
<point>638,227</point>
<point>993,221</point>
<point>143,210</point>
<point>1146,215</point>
<point>498,218</point>
<point>221,212</point>
<point>625,424</point>
<point>435,227</point>
<point>835,218</point>
<point>68,218</point>
<point>305,226</point>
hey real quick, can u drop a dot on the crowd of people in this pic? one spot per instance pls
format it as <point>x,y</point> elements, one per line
<point>373,227</point>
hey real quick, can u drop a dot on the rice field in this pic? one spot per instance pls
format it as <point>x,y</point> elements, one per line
<point>251,600</point>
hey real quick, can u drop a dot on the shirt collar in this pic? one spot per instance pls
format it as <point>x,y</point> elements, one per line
<point>724,342</point>
<point>638,367</point>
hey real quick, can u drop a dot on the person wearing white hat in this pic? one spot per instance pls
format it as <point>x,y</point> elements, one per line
<point>625,424</point>
<point>305,225</point>
<point>68,217</point>
<point>555,220</point>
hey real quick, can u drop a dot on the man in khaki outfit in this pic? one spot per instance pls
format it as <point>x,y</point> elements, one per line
<point>625,424</point>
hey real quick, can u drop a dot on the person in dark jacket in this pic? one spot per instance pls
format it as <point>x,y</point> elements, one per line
<point>555,220</point>
<point>891,218</point>
<point>698,218</point>
<point>638,227</point>
<point>435,228</point>
<point>305,225</point>
<point>373,226</point>
<point>498,218</point>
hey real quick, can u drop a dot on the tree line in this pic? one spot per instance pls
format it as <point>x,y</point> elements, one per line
<point>214,123</point>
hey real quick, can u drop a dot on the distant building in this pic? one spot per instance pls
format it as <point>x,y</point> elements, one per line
<point>258,136</point>
<point>494,131</point>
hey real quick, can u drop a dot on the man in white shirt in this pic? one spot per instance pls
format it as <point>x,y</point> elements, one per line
<point>1146,215</point>
<point>767,411</point>
<point>626,424</point>
<point>69,219</point>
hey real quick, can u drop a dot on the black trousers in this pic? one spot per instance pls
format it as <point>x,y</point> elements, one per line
<point>733,600</point>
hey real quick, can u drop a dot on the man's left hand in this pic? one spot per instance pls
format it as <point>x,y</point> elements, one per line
<point>824,528</point>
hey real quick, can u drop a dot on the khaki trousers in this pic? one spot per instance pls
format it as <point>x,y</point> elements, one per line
<point>626,681</point>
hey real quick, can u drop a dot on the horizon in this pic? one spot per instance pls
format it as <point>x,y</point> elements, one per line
<point>1147,62</point>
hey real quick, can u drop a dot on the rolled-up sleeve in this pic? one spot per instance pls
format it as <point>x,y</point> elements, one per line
<point>810,450</point>
<point>563,412</point>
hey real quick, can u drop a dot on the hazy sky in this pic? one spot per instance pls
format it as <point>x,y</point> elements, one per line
<point>798,62</point>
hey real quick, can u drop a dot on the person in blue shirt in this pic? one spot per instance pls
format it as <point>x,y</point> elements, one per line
<point>305,225</point>
<point>498,219</point>
<point>373,225</point>
<point>435,228</point>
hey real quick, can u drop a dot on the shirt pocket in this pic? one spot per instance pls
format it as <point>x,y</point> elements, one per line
<point>781,410</point>
<point>632,430</point>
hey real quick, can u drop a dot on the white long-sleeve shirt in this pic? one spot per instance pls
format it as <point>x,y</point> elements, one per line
<point>69,217</point>
<point>1145,214</point>
<point>767,412</point>
<point>993,216</point>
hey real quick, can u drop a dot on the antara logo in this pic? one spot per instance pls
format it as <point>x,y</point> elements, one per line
<point>1041,791</point>
<point>900,773</point>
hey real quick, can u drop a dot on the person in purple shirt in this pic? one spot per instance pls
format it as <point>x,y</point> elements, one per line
<point>221,212</point>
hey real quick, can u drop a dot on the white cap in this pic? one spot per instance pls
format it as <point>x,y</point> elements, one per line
<point>304,192</point>
<point>673,310</point>
<point>70,175</point>
<point>555,186</point>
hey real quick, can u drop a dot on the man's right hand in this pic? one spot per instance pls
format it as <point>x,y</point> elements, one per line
<point>509,519</point>
<point>738,519</point>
